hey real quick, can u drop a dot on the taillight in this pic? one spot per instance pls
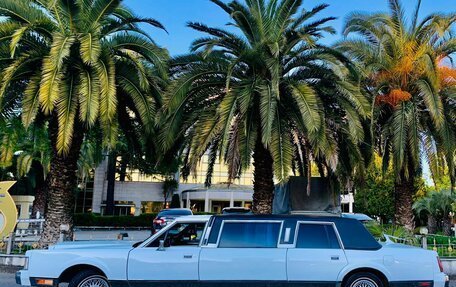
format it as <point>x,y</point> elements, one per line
<point>160,221</point>
<point>440,264</point>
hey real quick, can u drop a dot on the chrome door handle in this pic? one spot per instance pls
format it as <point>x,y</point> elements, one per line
<point>335,257</point>
<point>188,256</point>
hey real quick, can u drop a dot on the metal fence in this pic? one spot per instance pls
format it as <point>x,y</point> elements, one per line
<point>429,242</point>
<point>25,237</point>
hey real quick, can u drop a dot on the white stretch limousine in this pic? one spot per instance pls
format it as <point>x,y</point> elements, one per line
<point>239,250</point>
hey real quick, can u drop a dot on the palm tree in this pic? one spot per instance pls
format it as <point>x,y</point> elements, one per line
<point>29,151</point>
<point>401,67</point>
<point>437,206</point>
<point>261,92</point>
<point>425,208</point>
<point>444,203</point>
<point>84,63</point>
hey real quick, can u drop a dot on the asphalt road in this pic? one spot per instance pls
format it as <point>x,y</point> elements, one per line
<point>7,280</point>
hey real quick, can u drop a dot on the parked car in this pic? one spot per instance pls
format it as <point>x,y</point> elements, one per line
<point>239,250</point>
<point>166,216</point>
<point>236,210</point>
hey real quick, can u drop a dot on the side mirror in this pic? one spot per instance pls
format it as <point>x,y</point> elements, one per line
<point>161,245</point>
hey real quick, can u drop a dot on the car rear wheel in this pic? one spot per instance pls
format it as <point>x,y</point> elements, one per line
<point>88,278</point>
<point>364,279</point>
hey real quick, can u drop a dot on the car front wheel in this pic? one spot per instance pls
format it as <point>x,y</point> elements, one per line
<point>88,278</point>
<point>364,279</point>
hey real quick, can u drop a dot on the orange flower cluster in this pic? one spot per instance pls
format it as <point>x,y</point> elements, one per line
<point>447,76</point>
<point>394,97</point>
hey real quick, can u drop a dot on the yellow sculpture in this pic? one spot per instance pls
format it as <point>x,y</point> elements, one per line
<point>8,211</point>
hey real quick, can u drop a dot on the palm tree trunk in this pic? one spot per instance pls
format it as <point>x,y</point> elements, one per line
<point>61,183</point>
<point>432,224</point>
<point>446,225</point>
<point>111,176</point>
<point>403,193</point>
<point>39,203</point>
<point>263,179</point>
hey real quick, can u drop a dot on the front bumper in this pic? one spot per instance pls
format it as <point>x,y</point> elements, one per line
<point>22,278</point>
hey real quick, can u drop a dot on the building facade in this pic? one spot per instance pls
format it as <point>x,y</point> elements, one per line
<point>144,194</point>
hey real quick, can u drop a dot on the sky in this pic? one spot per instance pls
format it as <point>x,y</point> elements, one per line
<point>174,14</point>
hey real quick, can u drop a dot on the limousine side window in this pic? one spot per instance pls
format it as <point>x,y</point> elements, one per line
<point>249,234</point>
<point>181,234</point>
<point>317,236</point>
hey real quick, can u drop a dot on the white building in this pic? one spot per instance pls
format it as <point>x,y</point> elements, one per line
<point>144,194</point>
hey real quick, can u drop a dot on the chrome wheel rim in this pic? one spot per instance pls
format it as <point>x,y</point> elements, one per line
<point>364,282</point>
<point>94,281</point>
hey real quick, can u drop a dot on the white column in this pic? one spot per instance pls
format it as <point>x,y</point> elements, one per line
<point>99,185</point>
<point>232,199</point>
<point>188,199</point>
<point>206,201</point>
<point>350,202</point>
<point>137,208</point>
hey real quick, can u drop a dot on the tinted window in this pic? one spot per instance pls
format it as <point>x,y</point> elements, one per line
<point>355,236</point>
<point>181,234</point>
<point>175,212</point>
<point>317,236</point>
<point>249,235</point>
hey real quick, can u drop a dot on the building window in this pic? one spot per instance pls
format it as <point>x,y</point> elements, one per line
<point>197,205</point>
<point>218,206</point>
<point>151,206</point>
<point>120,208</point>
<point>317,236</point>
<point>249,235</point>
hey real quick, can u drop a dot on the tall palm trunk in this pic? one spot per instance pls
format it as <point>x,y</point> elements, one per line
<point>111,176</point>
<point>432,224</point>
<point>446,225</point>
<point>403,201</point>
<point>263,183</point>
<point>39,203</point>
<point>61,183</point>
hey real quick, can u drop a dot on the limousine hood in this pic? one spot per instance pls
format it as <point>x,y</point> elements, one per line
<point>101,244</point>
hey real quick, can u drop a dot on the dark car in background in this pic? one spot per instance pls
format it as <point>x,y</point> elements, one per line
<point>166,216</point>
<point>236,210</point>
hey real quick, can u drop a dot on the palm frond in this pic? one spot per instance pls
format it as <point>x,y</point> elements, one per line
<point>51,72</point>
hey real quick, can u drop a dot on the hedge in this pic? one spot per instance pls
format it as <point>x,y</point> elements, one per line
<point>91,219</point>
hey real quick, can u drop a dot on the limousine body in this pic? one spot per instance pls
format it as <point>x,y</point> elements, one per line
<point>239,250</point>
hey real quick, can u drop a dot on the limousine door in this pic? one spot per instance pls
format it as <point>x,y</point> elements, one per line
<point>244,251</point>
<point>174,260</point>
<point>317,256</point>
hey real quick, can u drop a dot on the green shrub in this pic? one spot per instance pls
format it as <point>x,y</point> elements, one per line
<point>90,219</point>
<point>143,220</point>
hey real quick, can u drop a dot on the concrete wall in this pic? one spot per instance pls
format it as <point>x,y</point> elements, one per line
<point>25,202</point>
<point>449,266</point>
<point>12,260</point>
